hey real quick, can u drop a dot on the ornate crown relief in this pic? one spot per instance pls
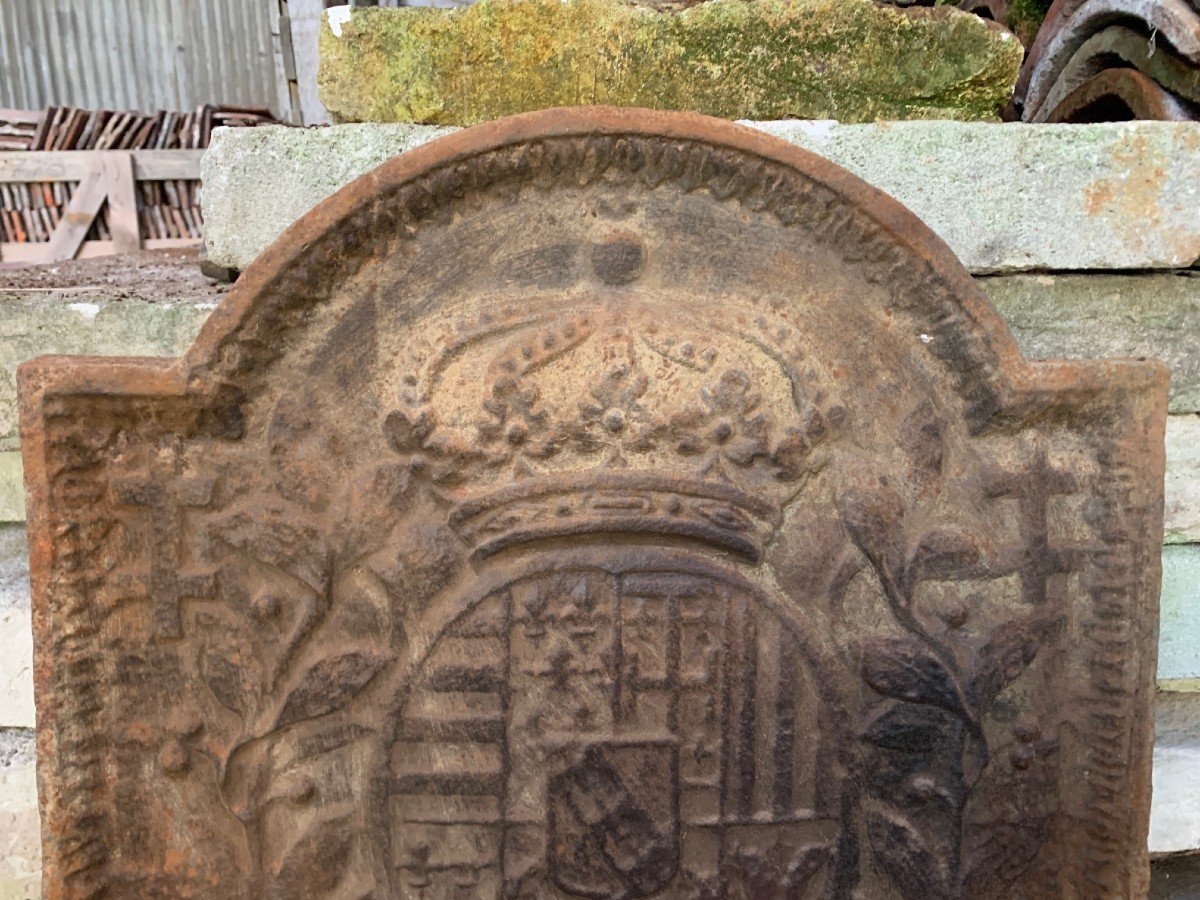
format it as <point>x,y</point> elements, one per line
<point>572,407</point>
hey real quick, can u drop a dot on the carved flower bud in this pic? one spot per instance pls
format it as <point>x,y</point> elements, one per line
<point>814,426</point>
<point>301,792</point>
<point>517,433</point>
<point>614,420</point>
<point>1023,756</point>
<point>791,455</point>
<point>955,613</point>
<point>264,605</point>
<point>723,431</point>
<point>173,757</point>
<point>408,430</point>
<point>185,724</point>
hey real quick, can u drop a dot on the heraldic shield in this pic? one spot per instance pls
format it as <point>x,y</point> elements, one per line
<point>613,828</point>
<point>597,503</point>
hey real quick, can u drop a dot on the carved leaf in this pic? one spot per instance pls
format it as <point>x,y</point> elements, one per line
<point>804,868</point>
<point>1009,649</point>
<point>921,439</point>
<point>225,679</point>
<point>245,777</point>
<point>900,850</point>
<point>310,746</point>
<point>874,516</point>
<point>329,685</point>
<point>975,758</point>
<point>942,550</point>
<point>371,506</point>
<point>280,535</point>
<point>999,853</point>
<point>915,729</point>
<point>315,864</point>
<point>905,669</point>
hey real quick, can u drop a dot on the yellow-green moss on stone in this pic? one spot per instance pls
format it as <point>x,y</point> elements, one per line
<point>815,59</point>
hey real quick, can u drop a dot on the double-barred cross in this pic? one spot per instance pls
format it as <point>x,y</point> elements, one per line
<point>1033,488</point>
<point>166,582</point>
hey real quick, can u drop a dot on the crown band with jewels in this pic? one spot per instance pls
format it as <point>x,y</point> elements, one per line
<point>616,503</point>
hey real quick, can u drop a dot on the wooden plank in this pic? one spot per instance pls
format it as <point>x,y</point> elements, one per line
<point>162,165</point>
<point>82,209</point>
<point>122,201</point>
<point>174,244</point>
<point>57,234</point>
<point>74,165</point>
<point>44,165</point>
<point>27,116</point>
<point>36,252</point>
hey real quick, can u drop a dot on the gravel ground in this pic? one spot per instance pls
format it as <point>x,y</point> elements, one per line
<point>148,276</point>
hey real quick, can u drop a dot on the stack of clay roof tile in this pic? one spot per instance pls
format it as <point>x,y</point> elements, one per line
<point>18,128</point>
<point>166,209</point>
<point>1113,60</point>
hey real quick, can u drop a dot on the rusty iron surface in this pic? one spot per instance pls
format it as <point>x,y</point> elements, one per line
<point>597,503</point>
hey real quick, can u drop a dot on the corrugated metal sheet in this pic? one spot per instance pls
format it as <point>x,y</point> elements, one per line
<point>137,54</point>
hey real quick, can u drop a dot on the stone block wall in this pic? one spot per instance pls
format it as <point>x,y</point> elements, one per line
<point>1085,238</point>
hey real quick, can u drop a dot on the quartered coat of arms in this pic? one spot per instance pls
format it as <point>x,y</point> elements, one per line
<point>599,504</point>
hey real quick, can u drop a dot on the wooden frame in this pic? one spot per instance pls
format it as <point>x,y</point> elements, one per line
<point>104,176</point>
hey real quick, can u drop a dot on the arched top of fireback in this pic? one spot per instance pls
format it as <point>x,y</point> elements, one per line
<point>373,223</point>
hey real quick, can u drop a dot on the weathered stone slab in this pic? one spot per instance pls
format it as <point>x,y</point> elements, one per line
<point>1057,197</point>
<point>850,60</point>
<point>601,503</point>
<point>96,321</point>
<point>1179,644</point>
<point>1107,314</point>
<point>255,189</point>
<point>16,636</point>
<point>20,835</point>
<point>12,487</point>
<point>14,569</point>
<point>1182,491</point>
<point>1175,817</point>
<point>16,673</point>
